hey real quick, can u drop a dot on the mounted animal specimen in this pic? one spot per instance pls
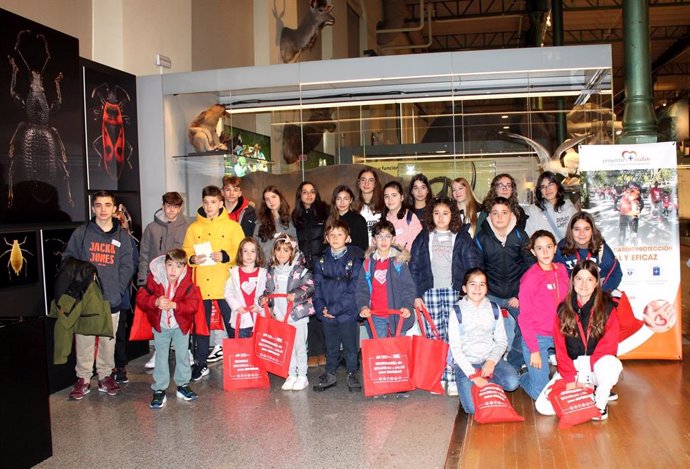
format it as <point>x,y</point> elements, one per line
<point>547,161</point>
<point>320,121</point>
<point>36,149</point>
<point>294,41</point>
<point>202,131</point>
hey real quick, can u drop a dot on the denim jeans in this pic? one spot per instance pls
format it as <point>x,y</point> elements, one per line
<point>345,333</point>
<point>536,379</point>
<point>512,332</point>
<point>504,375</point>
<point>381,326</point>
<point>245,332</point>
<point>202,341</point>
<point>183,368</point>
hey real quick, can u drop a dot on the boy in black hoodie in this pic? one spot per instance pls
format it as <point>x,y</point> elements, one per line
<point>103,243</point>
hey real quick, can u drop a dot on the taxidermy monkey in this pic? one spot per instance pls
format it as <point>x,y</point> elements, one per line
<point>202,131</point>
<point>294,41</point>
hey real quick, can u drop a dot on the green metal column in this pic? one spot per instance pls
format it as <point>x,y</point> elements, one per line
<point>557,22</point>
<point>639,119</point>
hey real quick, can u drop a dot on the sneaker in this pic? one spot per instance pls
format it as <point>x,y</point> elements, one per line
<point>109,386</point>
<point>604,414</point>
<point>80,389</point>
<point>300,384</point>
<point>402,394</point>
<point>289,383</point>
<point>613,396</point>
<point>452,389</point>
<point>326,380</point>
<point>183,392</point>
<point>199,372</point>
<point>552,360</point>
<point>120,375</point>
<point>158,400</point>
<point>313,362</point>
<point>353,382</point>
<point>216,354</point>
<point>151,364</point>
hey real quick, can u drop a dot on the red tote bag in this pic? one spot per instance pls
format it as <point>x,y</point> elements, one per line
<point>141,327</point>
<point>386,362</point>
<point>216,318</point>
<point>491,405</point>
<point>238,371</point>
<point>429,356</point>
<point>572,406</point>
<point>273,341</point>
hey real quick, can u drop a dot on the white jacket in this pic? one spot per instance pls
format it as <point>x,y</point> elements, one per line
<point>235,298</point>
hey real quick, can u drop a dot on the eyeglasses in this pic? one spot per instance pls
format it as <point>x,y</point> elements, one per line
<point>548,185</point>
<point>383,237</point>
<point>500,185</point>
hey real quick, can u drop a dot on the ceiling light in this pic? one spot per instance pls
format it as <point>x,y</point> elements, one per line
<point>506,127</point>
<point>504,116</point>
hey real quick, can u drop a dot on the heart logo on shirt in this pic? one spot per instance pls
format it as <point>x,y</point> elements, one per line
<point>248,287</point>
<point>380,276</point>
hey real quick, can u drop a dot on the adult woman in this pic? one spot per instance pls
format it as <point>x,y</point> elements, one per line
<point>582,241</point>
<point>551,211</point>
<point>586,336</point>
<point>407,225</point>
<point>341,209</point>
<point>503,185</point>
<point>272,219</point>
<point>419,196</point>
<point>309,218</point>
<point>468,206</point>
<point>369,202</point>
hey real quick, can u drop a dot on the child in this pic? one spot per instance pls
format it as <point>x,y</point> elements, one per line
<point>369,202</point>
<point>588,358</point>
<point>467,204</point>
<point>287,274</point>
<point>218,237</point>
<point>502,185</point>
<point>385,282</point>
<point>273,218</point>
<point>583,240</point>
<point>505,251</point>
<point>237,207</point>
<point>551,210</point>
<point>246,279</point>
<point>335,281</point>
<point>419,197</point>
<point>170,300</point>
<point>542,288</point>
<point>341,209</point>
<point>407,225</point>
<point>440,256</point>
<point>478,341</point>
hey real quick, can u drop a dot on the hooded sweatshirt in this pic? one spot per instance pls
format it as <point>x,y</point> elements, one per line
<point>539,219</point>
<point>110,252</point>
<point>160,236</point>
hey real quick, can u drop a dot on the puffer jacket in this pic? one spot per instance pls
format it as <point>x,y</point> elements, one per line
<point>300,283</point>
<point>336,284</point>
<point>310,236</point>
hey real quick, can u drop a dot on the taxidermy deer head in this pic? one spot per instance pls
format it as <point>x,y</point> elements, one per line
<point>294,41</point>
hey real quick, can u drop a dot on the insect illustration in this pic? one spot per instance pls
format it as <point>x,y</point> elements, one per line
<point>16,252</point>
<point>111,145</point>
<point>36,149</point>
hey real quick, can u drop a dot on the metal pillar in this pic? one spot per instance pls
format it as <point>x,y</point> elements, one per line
<point>639,119</point>
<point>557,22</point>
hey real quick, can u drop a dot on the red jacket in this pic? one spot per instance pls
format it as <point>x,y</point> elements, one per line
<point>607,345</point>
<point>186,296</point>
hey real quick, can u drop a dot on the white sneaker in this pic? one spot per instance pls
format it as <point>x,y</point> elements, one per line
<point>289,383</point>
<point>552,360</point>
<point>452,389</point>
<point>216,354</point>
<point>191,358</point>
<point>152,362</point>
<point>301,384</point>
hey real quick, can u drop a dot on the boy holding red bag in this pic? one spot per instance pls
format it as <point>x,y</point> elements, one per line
<point>170,301</point>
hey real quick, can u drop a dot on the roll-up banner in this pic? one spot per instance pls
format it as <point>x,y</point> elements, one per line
<point>631,191</point>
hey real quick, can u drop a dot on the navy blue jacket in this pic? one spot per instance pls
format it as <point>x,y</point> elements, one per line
<point>335,282</point>
<point>466,256</point>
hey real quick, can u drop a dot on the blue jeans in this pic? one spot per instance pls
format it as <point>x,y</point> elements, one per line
<point>381,326</point>
<point>245,332</point>
<point>183,368</point>
<point>536,379</point>
<point>345,333</point>
<point>512,332</point>
<point>504,375</point>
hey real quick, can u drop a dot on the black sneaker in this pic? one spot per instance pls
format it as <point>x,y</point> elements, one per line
<point>326,380</point>
<point>199,371</point>
<point>353,383</point>
<point>158,400</point>
<point>613,396</point>
<point>604,415</point>
<point>215,355</point>
<point>183,392</point>
<point>120,375</point>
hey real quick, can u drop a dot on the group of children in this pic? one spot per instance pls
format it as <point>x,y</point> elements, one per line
<point>466,284</point>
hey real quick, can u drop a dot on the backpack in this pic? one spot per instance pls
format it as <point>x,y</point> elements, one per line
<point>458,313</point>
<point>369,267</point>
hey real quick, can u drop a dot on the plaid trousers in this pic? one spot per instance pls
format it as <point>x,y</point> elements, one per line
<point>439,302</point>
